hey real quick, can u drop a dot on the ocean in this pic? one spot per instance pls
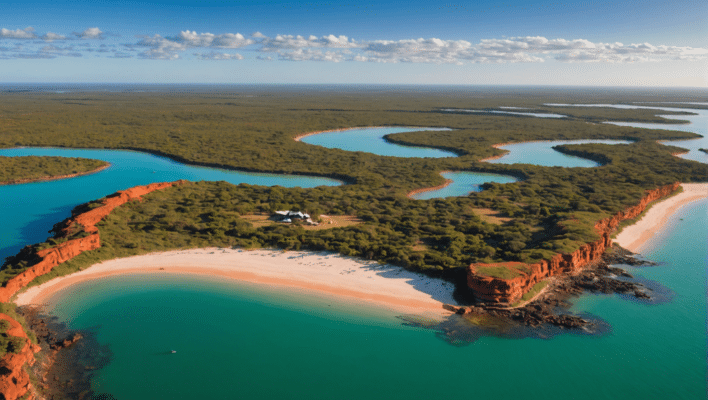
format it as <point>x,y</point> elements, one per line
<point>235,340</point>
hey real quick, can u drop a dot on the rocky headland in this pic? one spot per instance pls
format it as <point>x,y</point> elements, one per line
<point>509,291</point>
<point>81,235</point>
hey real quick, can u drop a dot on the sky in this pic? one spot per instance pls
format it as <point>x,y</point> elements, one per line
<point>598,43</point>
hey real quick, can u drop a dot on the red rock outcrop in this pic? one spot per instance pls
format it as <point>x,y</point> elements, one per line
<point>86,221</point>
<point>14,380</point>
<point>500,290</point>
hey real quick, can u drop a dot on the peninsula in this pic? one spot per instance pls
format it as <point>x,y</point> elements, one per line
<point>489,249</point>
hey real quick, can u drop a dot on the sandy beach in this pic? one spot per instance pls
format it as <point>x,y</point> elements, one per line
<point>346,278</point>
<point>325,273</point>
<point>634,237</point>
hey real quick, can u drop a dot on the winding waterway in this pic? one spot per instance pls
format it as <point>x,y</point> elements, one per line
<point>371,140</point>
<point>28,211</point>
<point>697,123</point>
<point>240,341</point>
<point>542,153</point>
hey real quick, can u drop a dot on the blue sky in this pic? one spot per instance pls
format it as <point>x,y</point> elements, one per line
<point>601,43</point>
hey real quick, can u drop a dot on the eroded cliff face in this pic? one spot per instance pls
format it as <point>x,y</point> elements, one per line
<point>44,260</point>
<point>498,290</point>
<point>14,380</point>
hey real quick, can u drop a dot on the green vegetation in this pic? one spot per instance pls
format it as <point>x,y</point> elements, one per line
<point>536,289</point>
<point>31,167</point>
<point>550,210</point>
<point>500,272</point>
<point>8,343</point>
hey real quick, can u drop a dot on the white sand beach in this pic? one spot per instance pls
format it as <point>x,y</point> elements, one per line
<point>325,273</point>
<point>634,237</point>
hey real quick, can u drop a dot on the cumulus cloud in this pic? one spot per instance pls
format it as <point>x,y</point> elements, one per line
<point>27,33</point>
<point>225,40</point>
<point>160,48</point>
<point>581,50</point>
<point>51,36</point>
<point>333,48</point>
<point>290,42</point>
<point>90,33</point>
<point>311,55</point>
<point>218,56</point>
<point>416,51</point>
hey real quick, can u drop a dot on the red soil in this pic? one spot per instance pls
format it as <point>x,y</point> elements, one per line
<point>510,290</point>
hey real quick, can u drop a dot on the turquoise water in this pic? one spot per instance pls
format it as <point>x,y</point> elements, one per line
<point>463,183</point>
<point>371,140</point>
<point>542,153</point>
<point>235,340</point>
<point>698,123</point>
<point>239,341</point>
<point>29,211</point>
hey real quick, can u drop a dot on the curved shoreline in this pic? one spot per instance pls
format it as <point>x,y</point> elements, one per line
<point>54,177</point>
<point>329,274</point>
<point>342,179</point>
<point>634,237</point>
<point>497,146</point>
<point>301,136</point>
<point>430,189</point>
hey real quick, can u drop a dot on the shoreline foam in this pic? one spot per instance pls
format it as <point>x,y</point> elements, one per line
<point>637,235</point>
<point>345,278</point>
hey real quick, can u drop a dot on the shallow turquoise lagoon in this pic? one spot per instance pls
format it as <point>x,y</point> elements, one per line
<point>542,153</point>
<point>371,140</point>
<point>235,340</point>
<point>29,211</point>
<point>697,123</point>
<point>463,183</point>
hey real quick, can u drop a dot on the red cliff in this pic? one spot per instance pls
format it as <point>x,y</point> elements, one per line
<point>14,380</point>
<point>500,290</point>
<point>86,221</point>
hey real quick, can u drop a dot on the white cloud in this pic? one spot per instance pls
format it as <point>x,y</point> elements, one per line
<point>341,48</point>
<point>225,40</point>
<point>160,48</point>
<point>310,55</point>
<point>416,51</point>
<point>581,50</point>
<point>290,42</point>
<point>90,33</point>
<point>218,56</point>
<point>27,33</point>
<point>51,36</point>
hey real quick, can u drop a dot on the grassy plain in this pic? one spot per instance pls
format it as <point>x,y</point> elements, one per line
<point>549,210</point>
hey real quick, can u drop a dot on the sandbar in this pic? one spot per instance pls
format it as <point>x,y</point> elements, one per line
<point>325,273</point>
<point>634,237</point>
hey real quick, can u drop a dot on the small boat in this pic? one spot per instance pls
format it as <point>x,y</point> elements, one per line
<point>173,351</point>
